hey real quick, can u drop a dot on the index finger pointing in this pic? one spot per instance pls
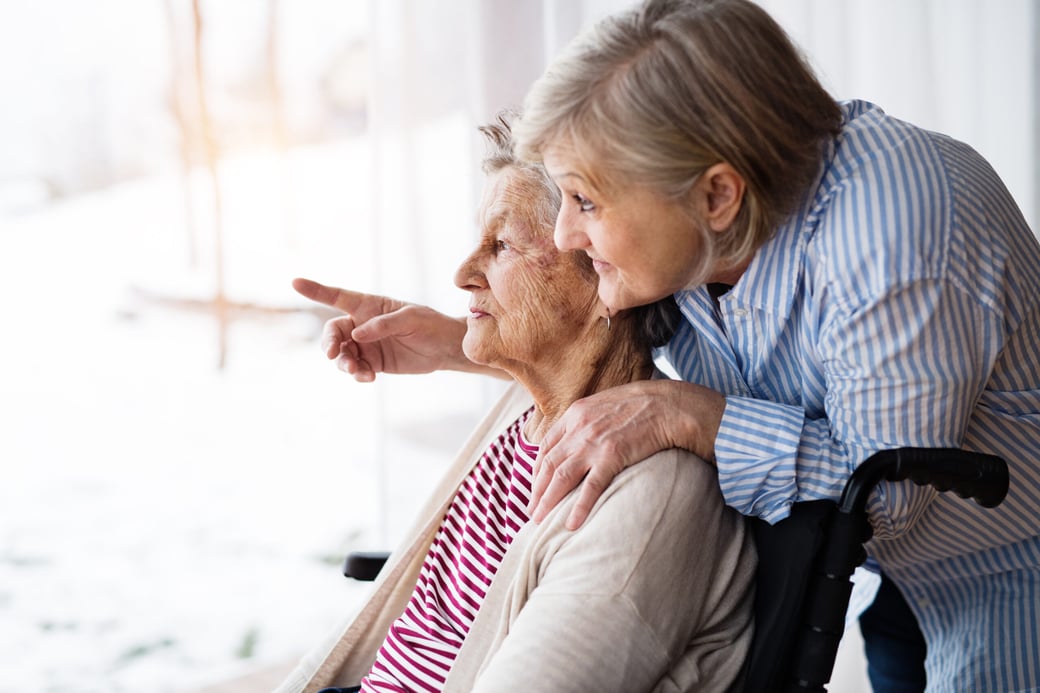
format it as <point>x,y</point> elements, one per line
<point>347,301</point>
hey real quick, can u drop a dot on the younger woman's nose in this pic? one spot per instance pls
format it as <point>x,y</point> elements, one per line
<point>568,235</point>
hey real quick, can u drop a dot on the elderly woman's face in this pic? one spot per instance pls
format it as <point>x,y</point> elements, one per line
<point>528,299</point>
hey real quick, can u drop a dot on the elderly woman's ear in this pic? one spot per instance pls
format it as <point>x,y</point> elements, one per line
<point>718,195</point>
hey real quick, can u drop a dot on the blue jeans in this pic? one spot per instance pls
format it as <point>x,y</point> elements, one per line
<point>893,642</point>
<point>352,689</point>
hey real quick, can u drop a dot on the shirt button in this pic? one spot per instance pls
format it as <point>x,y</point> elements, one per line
<point>739,313</point>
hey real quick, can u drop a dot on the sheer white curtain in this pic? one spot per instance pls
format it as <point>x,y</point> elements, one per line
<point>968,68</point>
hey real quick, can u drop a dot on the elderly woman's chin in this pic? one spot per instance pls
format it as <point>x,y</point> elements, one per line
<point>476,349</point>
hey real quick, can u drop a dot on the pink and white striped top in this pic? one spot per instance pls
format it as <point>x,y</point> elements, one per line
<point>487,512</point>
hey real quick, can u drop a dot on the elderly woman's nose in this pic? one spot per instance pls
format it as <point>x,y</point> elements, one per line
<point>469,276</point>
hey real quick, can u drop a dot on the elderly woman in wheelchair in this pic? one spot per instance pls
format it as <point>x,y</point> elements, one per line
<point>654,592</point>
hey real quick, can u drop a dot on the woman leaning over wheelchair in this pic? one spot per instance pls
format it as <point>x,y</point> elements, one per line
<point>499,601</point>
<point>849,282</point>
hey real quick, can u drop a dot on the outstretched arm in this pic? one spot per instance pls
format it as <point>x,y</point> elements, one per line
<point>384,335</point>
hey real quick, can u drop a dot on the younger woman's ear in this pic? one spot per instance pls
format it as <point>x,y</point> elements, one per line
<point>718,195</point>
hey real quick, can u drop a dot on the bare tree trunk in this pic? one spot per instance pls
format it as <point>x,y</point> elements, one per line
<point>177,86</point>
<point>279,126</point>
<point>210,149</point>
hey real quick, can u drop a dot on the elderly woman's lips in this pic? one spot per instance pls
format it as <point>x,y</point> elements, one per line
<point>476,313</point>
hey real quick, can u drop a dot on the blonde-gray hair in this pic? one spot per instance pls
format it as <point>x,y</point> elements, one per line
<point>656,95</point>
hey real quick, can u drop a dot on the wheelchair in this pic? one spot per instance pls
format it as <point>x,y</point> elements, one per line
<point>806,561</point>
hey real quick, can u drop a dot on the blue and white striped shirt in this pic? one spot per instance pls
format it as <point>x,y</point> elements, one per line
<point>899,306</point>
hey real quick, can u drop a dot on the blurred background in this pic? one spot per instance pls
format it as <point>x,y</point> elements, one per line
<point>181,470</point>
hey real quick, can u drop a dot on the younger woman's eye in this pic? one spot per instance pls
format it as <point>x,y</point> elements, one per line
<point>584,204</point>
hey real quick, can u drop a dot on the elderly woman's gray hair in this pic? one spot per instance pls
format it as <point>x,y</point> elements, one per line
<point>501,154</point>
<point>653,324</point>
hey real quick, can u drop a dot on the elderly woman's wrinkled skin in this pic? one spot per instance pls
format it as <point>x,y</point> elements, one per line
<point>529,302</point>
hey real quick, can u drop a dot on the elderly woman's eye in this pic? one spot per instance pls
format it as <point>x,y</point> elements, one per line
<point>501,245</point>
<point>583,203</point>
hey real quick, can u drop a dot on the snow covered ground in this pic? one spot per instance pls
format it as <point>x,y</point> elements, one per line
<point>165,524</point>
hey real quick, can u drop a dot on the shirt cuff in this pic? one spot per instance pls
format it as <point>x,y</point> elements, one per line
<point>756,451</point>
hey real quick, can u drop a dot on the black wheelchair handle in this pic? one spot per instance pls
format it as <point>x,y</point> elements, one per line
<point>975,475</point>
<point>364,565</point>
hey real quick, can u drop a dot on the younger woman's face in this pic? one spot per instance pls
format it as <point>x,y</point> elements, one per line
<point>643,245</point>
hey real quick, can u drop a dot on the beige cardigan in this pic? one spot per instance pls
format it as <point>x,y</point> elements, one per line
<point>653,593</point>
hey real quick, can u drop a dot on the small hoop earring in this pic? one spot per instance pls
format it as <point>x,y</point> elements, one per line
<point>608,321</point>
